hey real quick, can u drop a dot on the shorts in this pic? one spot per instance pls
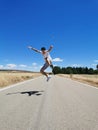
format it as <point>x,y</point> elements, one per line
<point>45,66</point>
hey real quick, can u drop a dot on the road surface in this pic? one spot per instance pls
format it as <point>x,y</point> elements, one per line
<point>60,104</point>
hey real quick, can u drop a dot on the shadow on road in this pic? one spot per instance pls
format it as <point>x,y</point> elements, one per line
<point>37,93</point>
<point>30,93</point>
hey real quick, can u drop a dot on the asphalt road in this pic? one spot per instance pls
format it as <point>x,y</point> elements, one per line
<point>60,104</point>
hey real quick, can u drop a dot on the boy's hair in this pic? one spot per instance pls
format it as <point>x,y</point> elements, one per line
<point>43,49</point>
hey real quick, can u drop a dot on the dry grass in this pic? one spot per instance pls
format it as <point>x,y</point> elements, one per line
<point>89,79</point>
<point>8,78</point>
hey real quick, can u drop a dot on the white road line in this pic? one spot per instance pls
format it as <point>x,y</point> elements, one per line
<point>14,85</point>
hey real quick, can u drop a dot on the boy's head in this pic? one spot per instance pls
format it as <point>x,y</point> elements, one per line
<point>43,49</point>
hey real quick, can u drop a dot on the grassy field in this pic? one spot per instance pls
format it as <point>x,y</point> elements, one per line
<point>12,77</point>
<point>88,79</point>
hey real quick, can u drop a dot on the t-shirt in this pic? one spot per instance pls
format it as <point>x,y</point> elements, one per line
<point>46,55</point>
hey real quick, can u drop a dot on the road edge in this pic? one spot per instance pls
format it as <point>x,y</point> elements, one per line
<point>16,84</point>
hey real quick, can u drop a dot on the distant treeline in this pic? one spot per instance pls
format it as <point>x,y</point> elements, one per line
<point>74,70</point>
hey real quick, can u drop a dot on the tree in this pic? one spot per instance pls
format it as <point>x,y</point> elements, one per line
<point>97,66</point>
<point>74,70</point>
<point>63,70</point>
<point>86,70</point>
<point>57,70</point>
<point>69,70</point>
<point>91,71</point>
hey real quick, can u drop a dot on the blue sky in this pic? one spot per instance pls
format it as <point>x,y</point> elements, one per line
<point>71,26</point>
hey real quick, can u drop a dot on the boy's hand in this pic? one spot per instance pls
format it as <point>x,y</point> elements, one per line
<point>51,46</point>
<point>29,47</point>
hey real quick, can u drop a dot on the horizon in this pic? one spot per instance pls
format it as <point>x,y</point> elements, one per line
<point>48,71</point>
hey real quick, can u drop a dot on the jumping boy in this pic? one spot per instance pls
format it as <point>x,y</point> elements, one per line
<point>47,58</point>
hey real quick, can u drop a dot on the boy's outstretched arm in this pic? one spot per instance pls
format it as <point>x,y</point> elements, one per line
<point>34,49</point>
<point>50,48</point>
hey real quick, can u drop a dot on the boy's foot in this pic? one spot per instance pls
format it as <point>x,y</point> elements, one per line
<point>48,78</point>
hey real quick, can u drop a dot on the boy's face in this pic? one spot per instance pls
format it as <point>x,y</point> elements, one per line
<point>43,51</point>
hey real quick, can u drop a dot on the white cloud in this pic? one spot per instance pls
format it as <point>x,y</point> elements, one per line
<point>35,68</point>
<point>95,60</point>
<point>8,66</point>
<point>23,66</point>
<point>40,66</point>
<point>57,60</point>
<point>1,66</point>
<point>34,64</point>
<point>94,64</point>
<point>11,66</point>
<point>55,65</point>
<point>76,65</point>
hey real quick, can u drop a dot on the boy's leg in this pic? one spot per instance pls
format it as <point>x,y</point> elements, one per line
<point>45,66</point>
<point>50,63</point>
<point>51,66</point>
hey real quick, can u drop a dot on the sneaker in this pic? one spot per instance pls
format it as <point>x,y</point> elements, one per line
<point>48,78</point>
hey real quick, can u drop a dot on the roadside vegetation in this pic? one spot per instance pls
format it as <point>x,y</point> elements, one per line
<point>84,78</point>
<point>75,70</point>
<point>12,77</point>
<point>82,74</point>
